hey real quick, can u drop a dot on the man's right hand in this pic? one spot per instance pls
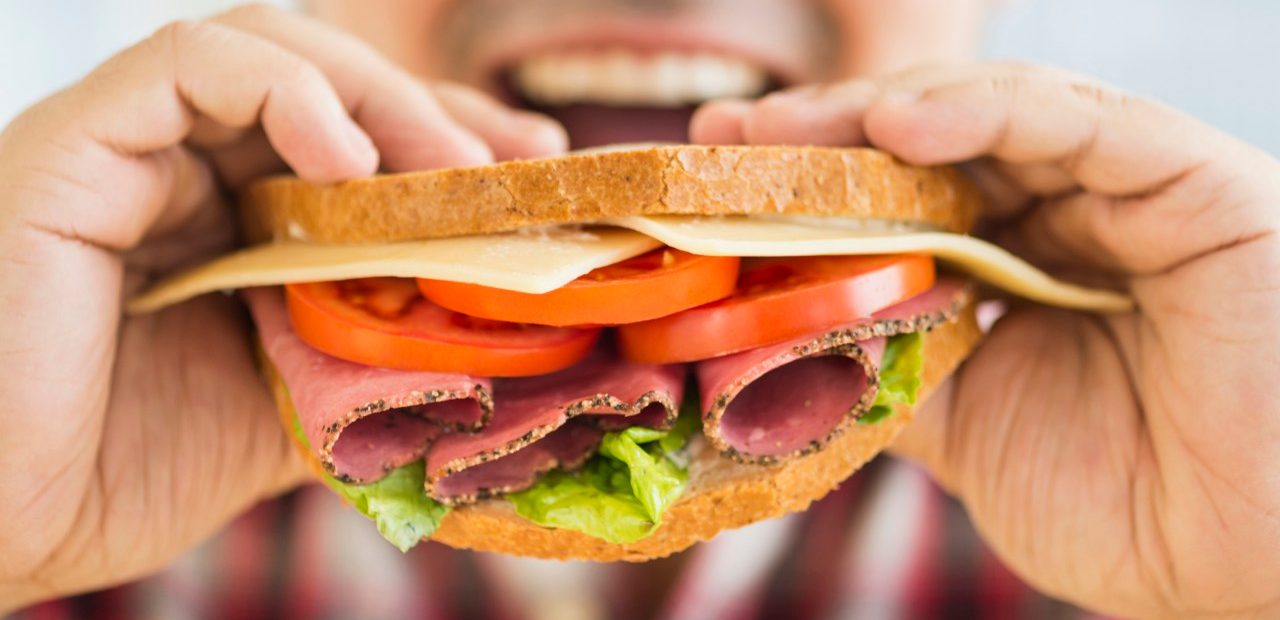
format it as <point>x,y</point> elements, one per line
<point>125,441</point>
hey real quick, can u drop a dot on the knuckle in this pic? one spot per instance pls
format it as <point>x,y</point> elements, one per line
<point>175,34</point>
<point>1007,84</point>
<point>1094,93</point>
<point>1021,73</point>
<point>1111,100</point>
<point>176,40</point>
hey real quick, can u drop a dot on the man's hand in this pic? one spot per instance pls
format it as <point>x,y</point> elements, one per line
<point>1128,463</point>
<point>124,441</point>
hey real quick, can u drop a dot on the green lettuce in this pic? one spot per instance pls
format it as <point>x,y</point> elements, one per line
<point>405,515</point>
<point>398,503</point>
<point>900,368</point>
<point>622,491</point>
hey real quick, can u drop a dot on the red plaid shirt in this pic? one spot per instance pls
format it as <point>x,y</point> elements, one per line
<point>887,544</point>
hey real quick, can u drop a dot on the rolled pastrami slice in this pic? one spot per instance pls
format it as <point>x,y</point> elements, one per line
<point>772,403</point>
<point>362,421</point>
<point>528,410</point>
<point>787,400</point>
<point>567,447</point>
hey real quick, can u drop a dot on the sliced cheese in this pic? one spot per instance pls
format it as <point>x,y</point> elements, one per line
<point>777,236</point>
<point>532,261</point>
<point>543,259</point>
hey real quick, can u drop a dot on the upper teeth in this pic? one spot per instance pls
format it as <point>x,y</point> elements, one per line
<point>624,77</point>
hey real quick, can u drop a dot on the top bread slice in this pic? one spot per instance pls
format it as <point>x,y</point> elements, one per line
<point>593,186</point>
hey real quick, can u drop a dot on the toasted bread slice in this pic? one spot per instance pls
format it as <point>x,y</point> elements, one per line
<point>586,187</point>
<point>721,495</point>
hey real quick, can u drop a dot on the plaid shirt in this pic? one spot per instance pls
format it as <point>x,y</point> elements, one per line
<point>886,544</point>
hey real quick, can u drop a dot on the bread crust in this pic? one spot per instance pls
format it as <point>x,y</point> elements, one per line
<point>722,494</point>
<point>691,180</point>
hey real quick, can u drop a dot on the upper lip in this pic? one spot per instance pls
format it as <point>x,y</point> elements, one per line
<point>489,65</point>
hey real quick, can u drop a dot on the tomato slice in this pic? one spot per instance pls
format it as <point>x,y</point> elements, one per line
<point>777,300</point>
<point>385,322</point>
<point>652,285</point>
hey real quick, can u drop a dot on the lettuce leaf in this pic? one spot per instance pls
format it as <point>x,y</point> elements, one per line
<point>900,368</point>
<point>398,503</point>
<point>622,491</point>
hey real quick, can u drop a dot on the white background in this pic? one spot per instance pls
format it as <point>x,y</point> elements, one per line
<point>1219,60</point>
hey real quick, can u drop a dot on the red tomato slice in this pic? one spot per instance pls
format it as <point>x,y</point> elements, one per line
<point>385,322</point>
<point>652,285</point>
<point>777,300</point>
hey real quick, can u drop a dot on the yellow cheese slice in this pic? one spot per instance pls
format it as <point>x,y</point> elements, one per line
<point>543,259</point>
<point>808,236</point>
<point>530,261</point>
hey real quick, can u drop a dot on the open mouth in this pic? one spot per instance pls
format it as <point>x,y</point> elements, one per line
<point>621,95</point>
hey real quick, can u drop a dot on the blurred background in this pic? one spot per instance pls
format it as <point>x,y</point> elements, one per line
<point>1217,60</point>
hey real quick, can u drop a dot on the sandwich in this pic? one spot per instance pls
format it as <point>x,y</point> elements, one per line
<point>610,355</point>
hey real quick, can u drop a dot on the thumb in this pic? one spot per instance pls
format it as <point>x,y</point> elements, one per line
<point>924,440</point>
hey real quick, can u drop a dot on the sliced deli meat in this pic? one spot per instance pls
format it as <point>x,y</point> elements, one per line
<point>529,411</point>
<point>479,436</point>
<point>768,404</point>
<point>567,447</point>
<point>362,421</point>
<point>777,402</point>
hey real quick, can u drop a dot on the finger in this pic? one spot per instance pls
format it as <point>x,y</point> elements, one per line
<point>1038,179</point>
<point>719,122</point>
<point>1108,141</point>
<point>145,100</point>
<point>512,134</point>
<point>209,231</point>
<point>1178,173</point>
<point>924,440</point>
<point>1141,236</point>
<point>207,133</point>
<point>835,114</point>
<point>965,418</point>
<point>832,114</point>
<point>1022,436</point>
<point>191,188</point>
<point>1004,198</point>
<point>410,128</point>
<point>245,160</point>
<point>148,98</point>
<point>819,115</point>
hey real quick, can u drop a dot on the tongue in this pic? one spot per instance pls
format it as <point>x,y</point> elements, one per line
<point>597,125</point>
